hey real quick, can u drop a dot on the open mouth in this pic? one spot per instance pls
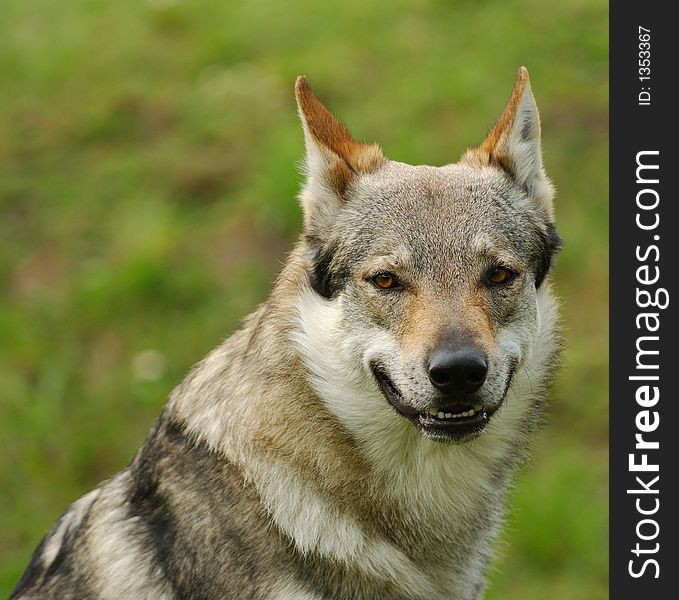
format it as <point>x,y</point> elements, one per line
<point>452,422</point>
<point>467,422</point>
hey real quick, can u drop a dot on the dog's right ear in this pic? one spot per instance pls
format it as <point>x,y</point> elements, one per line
<point>333,158</point>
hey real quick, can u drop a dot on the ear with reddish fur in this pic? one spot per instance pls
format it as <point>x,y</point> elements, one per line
<point>514,144</point>
<point>333,157</point>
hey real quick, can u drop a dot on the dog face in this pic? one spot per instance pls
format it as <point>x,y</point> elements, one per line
<point>428,277</point>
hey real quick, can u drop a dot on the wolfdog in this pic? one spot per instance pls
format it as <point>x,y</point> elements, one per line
<point>355,439</point>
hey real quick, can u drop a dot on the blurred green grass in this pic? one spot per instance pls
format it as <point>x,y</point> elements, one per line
<point>148,172</point>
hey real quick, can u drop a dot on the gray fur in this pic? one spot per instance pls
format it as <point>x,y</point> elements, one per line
<point>278,470</point>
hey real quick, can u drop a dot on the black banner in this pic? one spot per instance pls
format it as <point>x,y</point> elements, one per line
<point>644,497</point>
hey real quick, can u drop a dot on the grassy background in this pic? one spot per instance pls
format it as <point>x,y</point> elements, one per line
<point>148,154</point>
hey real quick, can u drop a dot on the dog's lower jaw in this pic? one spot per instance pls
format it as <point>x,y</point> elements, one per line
<point>460,436</point>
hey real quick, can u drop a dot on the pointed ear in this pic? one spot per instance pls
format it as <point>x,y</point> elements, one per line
<point>514,144</point>
<point>333,157</point>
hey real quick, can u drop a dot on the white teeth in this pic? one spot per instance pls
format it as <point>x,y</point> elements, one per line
<point>435,412</point>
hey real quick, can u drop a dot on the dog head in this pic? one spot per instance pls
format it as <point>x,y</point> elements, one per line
<point>423,282</point>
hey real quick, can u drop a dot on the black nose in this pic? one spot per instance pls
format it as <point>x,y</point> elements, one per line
<point>458,370</point>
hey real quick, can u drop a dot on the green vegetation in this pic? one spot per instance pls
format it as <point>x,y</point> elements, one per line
<point>148,155</point>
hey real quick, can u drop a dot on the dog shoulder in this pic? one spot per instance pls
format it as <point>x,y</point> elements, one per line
<point>50,569</point>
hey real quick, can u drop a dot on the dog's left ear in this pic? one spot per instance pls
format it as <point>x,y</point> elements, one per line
<point>333,158</point>
<point>514,144</point>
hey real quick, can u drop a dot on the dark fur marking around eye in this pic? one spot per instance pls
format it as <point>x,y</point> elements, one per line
<point>550,244</point>
<point>325,277</point>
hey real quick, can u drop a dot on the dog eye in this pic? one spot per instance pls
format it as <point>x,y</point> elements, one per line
<point>500,276</point>
<point>385,281</point>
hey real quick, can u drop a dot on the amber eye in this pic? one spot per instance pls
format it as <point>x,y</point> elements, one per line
<point>500,276</point>
<point>385,281</point>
